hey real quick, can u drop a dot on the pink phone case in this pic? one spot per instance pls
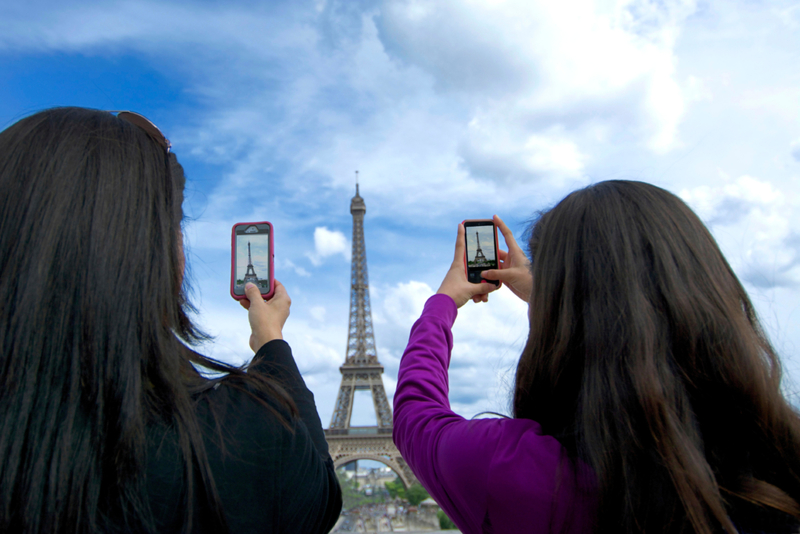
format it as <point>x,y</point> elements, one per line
<point>496,254</point>
<point>271,259</point>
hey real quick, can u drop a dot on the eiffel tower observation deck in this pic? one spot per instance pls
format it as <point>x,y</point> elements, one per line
<point>362,371</point>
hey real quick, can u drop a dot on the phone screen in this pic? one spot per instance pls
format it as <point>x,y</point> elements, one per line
<point>252,257</point>
<point>481,249</point>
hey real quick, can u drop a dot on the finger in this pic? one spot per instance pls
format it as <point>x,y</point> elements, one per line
<point>281,293</point>
<point>508,235</point>
<point>502,254</point>
<point>279,289</point>
<point>492,288</point>
<point>495,274</point>
<point>482,288</point>
<point>245,304</point>
<point>460,245</point>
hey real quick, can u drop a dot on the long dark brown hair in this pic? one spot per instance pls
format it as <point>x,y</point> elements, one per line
<point>91,311</point>
<point>646,360</point>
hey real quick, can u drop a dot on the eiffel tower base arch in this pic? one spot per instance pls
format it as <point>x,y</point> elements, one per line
<point>380,448</point>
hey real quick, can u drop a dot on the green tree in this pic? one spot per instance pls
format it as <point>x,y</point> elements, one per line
<point>351,497</point>
<point>416,494</point>
<point>445,523</point>
<point>396,489</point>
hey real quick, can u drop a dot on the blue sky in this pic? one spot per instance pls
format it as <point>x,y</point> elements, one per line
<point>450,110</point>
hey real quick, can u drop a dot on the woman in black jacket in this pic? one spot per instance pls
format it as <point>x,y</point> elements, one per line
<point>106,424</point>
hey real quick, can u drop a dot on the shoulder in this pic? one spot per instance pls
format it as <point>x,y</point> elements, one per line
<point>236,405</point>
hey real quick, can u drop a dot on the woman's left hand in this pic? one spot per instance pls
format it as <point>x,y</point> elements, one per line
<point>455,284</point>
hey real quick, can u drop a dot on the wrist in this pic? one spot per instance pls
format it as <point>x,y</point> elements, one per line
<point>453,296</point>
<point>270,335</point>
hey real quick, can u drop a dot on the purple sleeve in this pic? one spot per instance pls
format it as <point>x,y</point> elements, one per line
<point>422,412</point>
<point>499,472</point>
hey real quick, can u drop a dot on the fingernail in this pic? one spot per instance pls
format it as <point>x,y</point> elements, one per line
<point>249,284</point>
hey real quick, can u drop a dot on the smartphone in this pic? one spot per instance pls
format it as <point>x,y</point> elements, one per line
<point>251,258</point>
<point>481,251</point>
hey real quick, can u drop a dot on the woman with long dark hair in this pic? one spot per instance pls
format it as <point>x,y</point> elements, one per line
<point>106,424</point>
<point>647,398</point>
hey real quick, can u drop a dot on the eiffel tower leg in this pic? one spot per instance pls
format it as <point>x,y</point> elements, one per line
<point>405,473</point>
<point>383,414</point>
<point>344,405</point>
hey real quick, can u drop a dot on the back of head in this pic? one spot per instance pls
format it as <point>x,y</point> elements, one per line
<point>646,359</point>
<point>90,298</point>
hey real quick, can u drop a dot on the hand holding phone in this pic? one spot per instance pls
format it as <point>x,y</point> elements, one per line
<point>455,284</point>
<point>481,249</point>
<point>515,268</point>
<point>252,258</point>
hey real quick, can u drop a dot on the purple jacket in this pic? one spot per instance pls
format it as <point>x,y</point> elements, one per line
<point>488,475</point>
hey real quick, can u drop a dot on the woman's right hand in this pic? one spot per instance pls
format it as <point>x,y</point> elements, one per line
<point>266,317</point>
<point>515,268</point>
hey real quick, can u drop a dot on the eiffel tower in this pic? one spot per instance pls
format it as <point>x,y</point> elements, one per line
<point>362,371</point>
<point>250,275</point>
<point>479,257</point>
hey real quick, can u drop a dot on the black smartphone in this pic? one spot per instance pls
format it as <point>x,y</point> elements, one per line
<point>481,251</point>
<point>252,258</point>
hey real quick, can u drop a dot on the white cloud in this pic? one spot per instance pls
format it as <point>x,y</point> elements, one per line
<point>756,225</point>
<point>328,243</point>
<point>538,65</point>
<point>539,82</point>
<point>695,89</point>
<point>318,313</point>
<point>401,304</point>
<point>500,154</point>
<point>795,150</point>
<point>289,264</point>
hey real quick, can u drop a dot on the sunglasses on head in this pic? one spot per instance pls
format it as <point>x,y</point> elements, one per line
<point>145,124</point>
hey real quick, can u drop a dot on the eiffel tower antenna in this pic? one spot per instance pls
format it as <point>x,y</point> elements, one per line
<point>362,371</point>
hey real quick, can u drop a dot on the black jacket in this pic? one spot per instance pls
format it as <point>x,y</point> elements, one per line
<point>269,478</point>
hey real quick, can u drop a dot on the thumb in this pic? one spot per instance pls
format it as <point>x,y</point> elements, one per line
<point>253,293</point>
<point>492,274</point>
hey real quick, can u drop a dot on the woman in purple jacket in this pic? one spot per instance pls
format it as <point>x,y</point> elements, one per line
<point>647,397</point>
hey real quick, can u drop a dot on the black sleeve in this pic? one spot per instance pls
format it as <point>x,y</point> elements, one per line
<point>275,360</point>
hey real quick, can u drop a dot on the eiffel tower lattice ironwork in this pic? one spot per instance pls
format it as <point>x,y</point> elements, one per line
<point>250,275</point>
<point>362,371</point>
